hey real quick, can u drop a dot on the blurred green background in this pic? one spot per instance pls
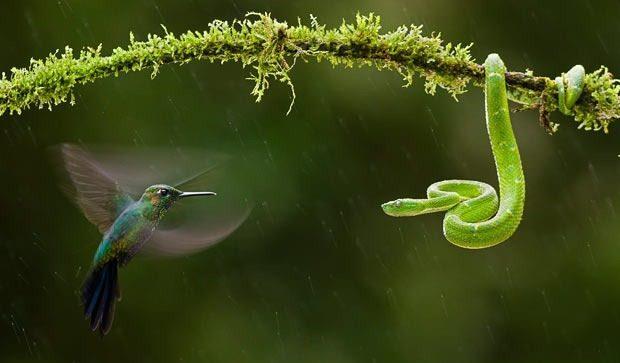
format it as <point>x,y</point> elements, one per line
<point>318,273</point>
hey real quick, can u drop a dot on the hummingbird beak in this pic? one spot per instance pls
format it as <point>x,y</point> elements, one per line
<point>195,194</point>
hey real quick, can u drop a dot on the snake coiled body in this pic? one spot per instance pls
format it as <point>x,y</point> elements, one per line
<point>475,217</point>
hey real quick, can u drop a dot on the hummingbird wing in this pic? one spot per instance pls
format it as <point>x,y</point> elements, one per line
<point>196,234</point>
<point>95,192</point>
<point>191,225</point>
<point>136,168</point>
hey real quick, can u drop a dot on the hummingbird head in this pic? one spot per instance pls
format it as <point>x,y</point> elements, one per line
<point>162,196</point>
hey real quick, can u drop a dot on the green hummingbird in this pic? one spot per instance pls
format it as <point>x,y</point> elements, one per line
<point>127,225</point>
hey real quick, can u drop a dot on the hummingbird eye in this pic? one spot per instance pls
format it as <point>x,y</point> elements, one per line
<point>163,192</point>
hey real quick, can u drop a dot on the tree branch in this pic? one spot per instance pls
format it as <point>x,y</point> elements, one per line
<point>272,49</point>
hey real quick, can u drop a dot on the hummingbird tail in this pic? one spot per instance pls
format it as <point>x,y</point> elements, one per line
<point>99,294</point>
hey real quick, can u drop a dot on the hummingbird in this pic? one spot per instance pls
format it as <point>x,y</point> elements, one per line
<point>127,225</point>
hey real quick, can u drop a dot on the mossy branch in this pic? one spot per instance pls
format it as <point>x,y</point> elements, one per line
<point>272,48</point>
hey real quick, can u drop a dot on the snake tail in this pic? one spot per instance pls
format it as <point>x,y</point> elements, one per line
<point>570,87</point>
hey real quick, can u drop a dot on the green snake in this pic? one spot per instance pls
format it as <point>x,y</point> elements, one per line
<point>475,216</point>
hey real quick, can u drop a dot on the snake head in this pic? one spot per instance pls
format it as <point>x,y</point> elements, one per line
<point>404,207</point>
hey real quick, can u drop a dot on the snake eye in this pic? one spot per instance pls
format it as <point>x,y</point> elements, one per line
<point>163,192</point>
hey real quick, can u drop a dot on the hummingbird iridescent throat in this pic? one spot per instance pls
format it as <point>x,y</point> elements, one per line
<point>127,226</point>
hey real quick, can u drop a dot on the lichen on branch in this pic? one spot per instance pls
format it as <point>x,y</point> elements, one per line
<point>272,48</point>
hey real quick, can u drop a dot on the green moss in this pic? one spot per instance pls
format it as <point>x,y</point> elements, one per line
<point>604,104</point>
<point>271,49</point>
